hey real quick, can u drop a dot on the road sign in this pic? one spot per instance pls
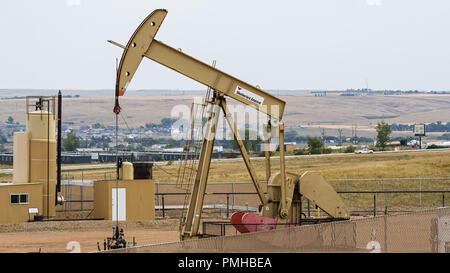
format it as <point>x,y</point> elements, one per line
<point>419,129</point>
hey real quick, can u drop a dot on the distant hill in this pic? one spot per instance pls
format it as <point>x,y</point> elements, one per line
<point>20,93</point>
<point>330,111</point>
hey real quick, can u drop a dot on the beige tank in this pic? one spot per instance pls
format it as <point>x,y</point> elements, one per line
<point>21,162</point>
<point>37,125</point>
<point>126,171</point>
<point>42,149</point>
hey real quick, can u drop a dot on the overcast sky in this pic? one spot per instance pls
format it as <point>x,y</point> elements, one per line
<point>301,44</point>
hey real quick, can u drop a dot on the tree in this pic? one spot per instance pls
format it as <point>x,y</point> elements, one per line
<point>315,145</point>
<point>290,135</point>
<point>349,149</point>
<point>2,149</point>
<point>10,120</point>
<point>383,132</point>
<point>97,126</point>
<point>71,143</point>
<point>167,122</point>
<point>2,138</point>
<point>151,125</point>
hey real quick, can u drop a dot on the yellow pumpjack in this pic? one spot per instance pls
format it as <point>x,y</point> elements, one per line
<point>282,204</point>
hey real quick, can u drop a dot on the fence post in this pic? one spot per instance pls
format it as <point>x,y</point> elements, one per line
<point>157,191</point>
<point>420,191</point>
<point>234,195</point>
<point>346,189</point>
<point>64,190</point>
<point>70,194</point>
<point>443,200</point>
<point>385,230</point>
<point>228,205</point>
<point>309,208</point>
<point>382,190</point>
<point>163,212</point>
<point>374,205</point>
<point>81,190</point>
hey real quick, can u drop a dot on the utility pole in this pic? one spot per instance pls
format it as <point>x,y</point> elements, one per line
<point>354,132</point>
<point>323,139</point>
<point>340,135</point>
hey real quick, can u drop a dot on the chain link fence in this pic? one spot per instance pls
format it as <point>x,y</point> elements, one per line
<point>373,196</point>
<point>78,194</point>
<point>393,192</point>
<point>426,231</point>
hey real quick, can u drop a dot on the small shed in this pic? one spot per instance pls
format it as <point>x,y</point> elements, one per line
<point>124,200</point>
<point>20,202</point>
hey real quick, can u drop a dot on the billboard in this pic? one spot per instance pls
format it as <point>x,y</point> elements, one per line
<point>419,129</point>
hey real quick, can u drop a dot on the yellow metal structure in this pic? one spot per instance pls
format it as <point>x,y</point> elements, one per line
<point>143,44</point>
<point>280,202</point>
<point>310,185</point>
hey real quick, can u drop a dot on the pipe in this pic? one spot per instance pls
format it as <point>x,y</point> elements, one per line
<point>48,158</point>
<point>58,149</point>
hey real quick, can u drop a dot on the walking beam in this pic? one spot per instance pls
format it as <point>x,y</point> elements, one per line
<point>142,44</point>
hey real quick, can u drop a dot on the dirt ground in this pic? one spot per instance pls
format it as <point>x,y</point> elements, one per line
<point>60,241</point>
<point>88,235</point>
<point>49,237</point>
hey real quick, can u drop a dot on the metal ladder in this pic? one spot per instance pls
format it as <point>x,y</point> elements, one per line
<point>191,149</point>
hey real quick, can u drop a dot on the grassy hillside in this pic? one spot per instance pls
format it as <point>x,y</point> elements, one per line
<point>328,111</point>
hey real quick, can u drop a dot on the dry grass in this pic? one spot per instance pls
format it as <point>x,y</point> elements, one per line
<point>388,165</point>
<point>426,164</point>
<point>392,165</point>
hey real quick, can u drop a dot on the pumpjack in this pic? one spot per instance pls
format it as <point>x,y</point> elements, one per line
<point>282,205</point>
<point>116,241</point>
